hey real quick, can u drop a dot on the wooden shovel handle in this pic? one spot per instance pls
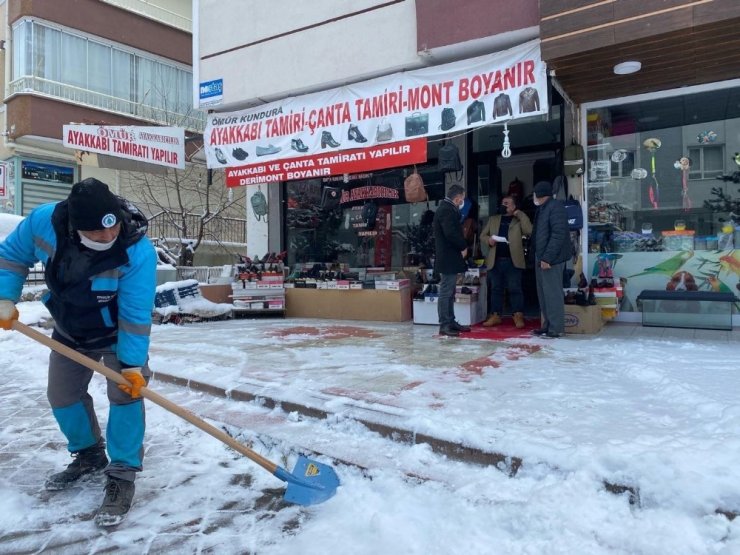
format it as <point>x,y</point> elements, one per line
<point>146,393</point>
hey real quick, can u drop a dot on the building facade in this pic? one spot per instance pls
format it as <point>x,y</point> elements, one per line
<point>121,63</point>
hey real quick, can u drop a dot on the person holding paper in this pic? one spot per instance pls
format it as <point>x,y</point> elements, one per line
<point>505,261</point>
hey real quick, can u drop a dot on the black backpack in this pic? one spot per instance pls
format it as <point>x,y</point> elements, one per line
<point>448,119</point>
<point>259,204</point>
<point>448,159</point>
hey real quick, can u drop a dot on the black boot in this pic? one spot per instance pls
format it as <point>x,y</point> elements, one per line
<point>449,331</point>
<point>328,140</point>
<point>118,497</point>
<point>353,134</point>
<point>86,461</point>
<point>539,331</point>
<point>459,327</point>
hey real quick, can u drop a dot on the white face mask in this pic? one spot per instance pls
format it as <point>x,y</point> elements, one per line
<point>536,201</point>
<point>94,245</point>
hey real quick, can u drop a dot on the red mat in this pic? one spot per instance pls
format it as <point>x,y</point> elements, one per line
<point>506,330</point>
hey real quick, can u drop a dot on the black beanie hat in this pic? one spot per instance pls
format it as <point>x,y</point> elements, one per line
<point>92,206</point>
<point>543,189</point>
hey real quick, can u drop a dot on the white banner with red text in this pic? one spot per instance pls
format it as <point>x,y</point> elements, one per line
<point>442,99</point>
<point>164,146</point>
<point>402,153</point>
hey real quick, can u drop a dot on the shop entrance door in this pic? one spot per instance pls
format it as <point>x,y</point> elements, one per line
<point>519,173</point>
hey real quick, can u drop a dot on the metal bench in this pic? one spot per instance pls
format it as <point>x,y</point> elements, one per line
<point>687,309</point>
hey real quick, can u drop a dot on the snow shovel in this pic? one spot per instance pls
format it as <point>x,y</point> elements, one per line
<point>311,482</point>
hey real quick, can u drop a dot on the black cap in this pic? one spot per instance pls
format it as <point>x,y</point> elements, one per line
<point>92,206</point>
<point>543,189</point>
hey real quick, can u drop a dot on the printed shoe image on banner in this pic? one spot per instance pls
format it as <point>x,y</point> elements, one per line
<point>269,149</point>
<point>298,145</point>
<point>328,140</point>
<point>239,153</point>
<point>353,134</point>
<point>220,156</point>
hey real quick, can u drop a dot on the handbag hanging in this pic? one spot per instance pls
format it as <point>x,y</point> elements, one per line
<point>413,188</point>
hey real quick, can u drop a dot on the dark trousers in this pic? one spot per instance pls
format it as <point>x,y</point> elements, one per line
<point>504,275</point>
<point>550,295</point>
<point>446,300</point>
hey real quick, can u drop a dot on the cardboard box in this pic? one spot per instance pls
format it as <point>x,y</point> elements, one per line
<point>583,319</point>
<point>358,304</point>
<point>216,293</point>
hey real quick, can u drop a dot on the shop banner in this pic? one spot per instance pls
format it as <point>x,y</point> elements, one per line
<point>164,146</point>
<point>403,153</point>
<point>442,99</point>
<point>3,180</point>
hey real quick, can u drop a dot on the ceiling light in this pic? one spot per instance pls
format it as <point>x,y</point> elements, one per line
<point>625,68</point>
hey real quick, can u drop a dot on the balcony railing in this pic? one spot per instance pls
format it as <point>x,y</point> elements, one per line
<point>195,120</point>
<point>222,230</point>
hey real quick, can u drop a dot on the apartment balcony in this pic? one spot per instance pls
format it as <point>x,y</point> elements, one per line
<point>194,120</point>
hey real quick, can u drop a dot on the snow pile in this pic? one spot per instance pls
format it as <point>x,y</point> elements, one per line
<point>8,223</point>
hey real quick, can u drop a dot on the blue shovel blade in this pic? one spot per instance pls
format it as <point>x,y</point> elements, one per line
<point>311,482</point>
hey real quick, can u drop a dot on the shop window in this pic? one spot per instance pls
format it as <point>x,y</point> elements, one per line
<point>663,191</point>
<point>371,225</point>
<point>707,162</point>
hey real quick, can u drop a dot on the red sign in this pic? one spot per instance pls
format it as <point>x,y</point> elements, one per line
<point>378,157</point>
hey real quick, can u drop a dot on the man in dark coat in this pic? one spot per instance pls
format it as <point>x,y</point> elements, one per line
<point>551,240</point>
<point>450,249</point>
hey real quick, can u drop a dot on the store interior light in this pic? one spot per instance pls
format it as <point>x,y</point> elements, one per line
<point>625,68</point>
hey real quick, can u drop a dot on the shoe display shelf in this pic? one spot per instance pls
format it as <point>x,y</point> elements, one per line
<point>266,295</point>
<point>471,301</point>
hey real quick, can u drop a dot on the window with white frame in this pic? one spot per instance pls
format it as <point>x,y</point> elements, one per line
<point>58,56</point>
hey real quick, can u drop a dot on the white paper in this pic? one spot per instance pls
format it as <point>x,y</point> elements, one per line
<point>499,239</point>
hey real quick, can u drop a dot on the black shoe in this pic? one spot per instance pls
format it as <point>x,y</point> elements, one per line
<point>553,334</point>
<point>353,134</point>
<point>328,140</point>
<point>117,502</point>
<point>449,331</point>
<point>239,153</point>
<point>539,331</point>
<point>459,327</point>
<point>86,461</point>
<point>298,145</point>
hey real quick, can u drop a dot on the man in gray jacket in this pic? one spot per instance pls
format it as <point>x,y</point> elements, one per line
<point>551,241</point>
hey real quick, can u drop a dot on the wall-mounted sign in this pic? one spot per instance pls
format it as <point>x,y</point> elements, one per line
<point>403,153</point>
<point>3,180</point>
<point>211,92</point>
<point>164,146</point>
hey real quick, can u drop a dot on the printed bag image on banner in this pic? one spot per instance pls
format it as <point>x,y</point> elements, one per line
<point>416,103</point>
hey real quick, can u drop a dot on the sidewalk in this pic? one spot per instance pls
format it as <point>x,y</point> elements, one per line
<point>405,383</point>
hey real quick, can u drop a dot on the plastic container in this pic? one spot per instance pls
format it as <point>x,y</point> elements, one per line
<point>724,241</point>
<point>700,243</point>
<point>712,243</point>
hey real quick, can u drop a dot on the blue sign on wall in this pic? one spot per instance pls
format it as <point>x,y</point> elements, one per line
<point>211,92</point>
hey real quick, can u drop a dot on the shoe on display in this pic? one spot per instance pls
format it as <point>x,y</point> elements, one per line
<point>353,134</point>
<point>298,145</point>
<point>493,320</point>
<point>269,149</point>
<point>539,331</point>
<point>459,327</point>
<point>117,501</point>
<point>518,320</point>
<point>220,156</point>
<point>328,140</point>
<point>239,153</point>
<point>86,461</point>
<point>448,331</point>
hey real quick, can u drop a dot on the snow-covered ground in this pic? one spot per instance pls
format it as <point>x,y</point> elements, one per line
<point>661,415</point>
